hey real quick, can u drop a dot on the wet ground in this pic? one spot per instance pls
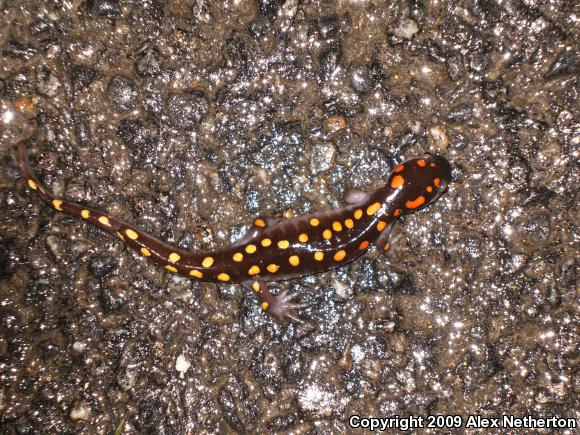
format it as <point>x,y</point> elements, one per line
<point>191,120</point>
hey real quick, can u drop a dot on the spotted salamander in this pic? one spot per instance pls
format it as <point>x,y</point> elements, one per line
<point>281,250</point>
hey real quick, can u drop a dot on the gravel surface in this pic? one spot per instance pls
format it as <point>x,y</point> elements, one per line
<point>189,120</point>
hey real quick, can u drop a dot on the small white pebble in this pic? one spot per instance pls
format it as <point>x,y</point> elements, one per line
<point>80,412</point>
<point>406,29</point>
<point>79,346</point>
<point>182,364</point>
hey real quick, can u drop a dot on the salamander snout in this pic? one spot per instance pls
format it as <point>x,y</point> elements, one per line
<point>420,180</point>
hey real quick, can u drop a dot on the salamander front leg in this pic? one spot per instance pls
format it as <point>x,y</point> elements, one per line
<point>383,242</point>
<point>280,306</point>
<point>256,229</point>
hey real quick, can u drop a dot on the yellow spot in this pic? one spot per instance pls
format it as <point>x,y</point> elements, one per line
<point>146,252</point>
<point>340,255</point>
<point>207,262</point>
<point>254,270</point>
<point>358,213</point>
<point>265,305</point>
<point>260,223</point>
<point>303,238</point>
<point>283,244</point>
<point>349,223</point>
<point>223,277</point>
<point>381,225</point>
<point>256,286</point>
<point>131,234</point>
<point>171,268</point>
<point>373,208</point>
<point>238,256</point>
<point>273,268</point>
<point>314,222</point>
<point>337,226</point>
<point>119,235</point>
<point>196,273</point>
<point>319,256</point>
<point>266,242</point>
<point>104,220</point>
<point>32,184</point>
<point>250,249</point>
<point>174,257</point>
<point>397,181</point>
<point>294,260</point>
<point>85,214</point>
<point>327,234</point>
<point>364,245</point>
<point>57,204</point>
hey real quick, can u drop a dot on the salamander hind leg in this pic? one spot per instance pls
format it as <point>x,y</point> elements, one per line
<point>280,306</point>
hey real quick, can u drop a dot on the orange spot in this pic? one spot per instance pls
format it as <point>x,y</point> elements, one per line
<point>303,238</point>
<point>146,252</point>
<point>340,255</point>
<point>57,204</point>
<point>260,223</point>
<point>265,305</point>
<point>399,168</point>
<point>421,163</point>
<point>254,270</point>
<point>432,165</point>
<point>349,223</point>
<point>397,181</point>
<point>104,220</point>
<point>436,182</point>
<point>397,212</point>
<point>381,225</point>
<point>358,214</point>
<point>250,249</point>
<point>294,260</point>
<point>238,256</point>
<point>196,273</point>
<point>319,256</point>
<point>364,245</point>
<point>283,244</point>
<point>273,268</point>
<point>416,202</point>
<point>337,226</point>
<point>429,189</point>
<point>314,222</point>
<point>327,234</point>
<point>373,208</point>
<point>387,246</point>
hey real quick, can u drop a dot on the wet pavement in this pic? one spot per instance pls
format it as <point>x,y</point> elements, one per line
<point>191,120</point>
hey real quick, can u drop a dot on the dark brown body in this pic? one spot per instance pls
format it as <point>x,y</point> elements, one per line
<point>273,251</point>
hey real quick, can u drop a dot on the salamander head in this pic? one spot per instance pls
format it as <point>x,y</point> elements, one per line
<point>420,181</point>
